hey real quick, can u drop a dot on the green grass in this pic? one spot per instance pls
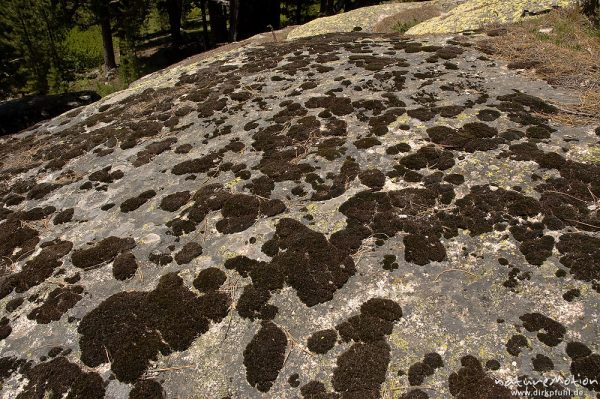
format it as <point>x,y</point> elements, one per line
<point>84,48</point>
<point>103,89</point>
<point>402,27</point>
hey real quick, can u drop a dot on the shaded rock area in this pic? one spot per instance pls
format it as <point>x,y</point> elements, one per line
<point>19,114</point>
<point>349,216</point>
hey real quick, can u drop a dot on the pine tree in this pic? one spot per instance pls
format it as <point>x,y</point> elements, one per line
<point>101,9</point>
<point>35,30</point>
<point>130,16</point>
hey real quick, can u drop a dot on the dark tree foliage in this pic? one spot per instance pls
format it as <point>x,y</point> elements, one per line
<point>34,57</point>
<point>130,15</point>
<point>591,8</point>
<point>174,10</point>
<point>33,33</point>
<point>257,16</point>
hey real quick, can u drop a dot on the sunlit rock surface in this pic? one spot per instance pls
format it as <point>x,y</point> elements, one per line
<point>343,216</point>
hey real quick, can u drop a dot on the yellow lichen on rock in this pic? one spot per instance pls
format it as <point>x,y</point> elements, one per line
<point>365,18</point>
<point>475,14</point>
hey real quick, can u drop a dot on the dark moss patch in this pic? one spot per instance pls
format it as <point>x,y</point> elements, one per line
<point>538,132</point>
<point>471,381</point>
<point>366,142</point>
<point>38,269</point>
<point>107,207</point>
<point>40,190</point>
<point>105,175</point>
<point>415,394</point>
<point>536,250</point>
<point>152,150</point>
<point>322,341</point>
<point>16,240</point>
<point>542,363</point>
<point>147,389</point>
<point>571,294</point>
<point>134,203</point>
<point>253,304</point>
<point>261,186</point>
<point>294,380</point>
<point>240,211</point>
<point>188,252</point>
<point>60,377</point>
<point>492,364</point>
<point>576,350</point>
<point>338,106</point>
<point>514,276</point>
<point>12,365</point>
<point>64,216</point>
<point>37,213</point>
<point>13,199</point>
<point>210,279</point>
<point>550,332</point>
<point>398,148</point>
<point>422,249</point>
<point>488,115</point>
<point>422,114</point>
<point>174,201</point>
<point>515,343</point>
<point>584,365</point>
<point>449,52</point>
<point>133,327</point>
<point>348,172</point>
<point>198,165</point>
<point>14,304</point>
<point>534,104</point>
<point>375,321</point>
<point>433,360</point>
<point>242,264</point>
<point>316,390</point>
<point>58,303</point>
<point>160,258</point>
<point>417,373</point>
<point>124,266</point>
<point>5,328</point>
<point>264,356</point>
<point>475,136</point>
<point>372,178</point>
<point>183,149</point>
<point>361,370</point>
<point>389,262</point>
<point>429,156</point>
<point>311,265</point>
<point>581,254</point>
<point>455,179</point>
<point>483,208</point>
<point>103,252</point>
<point>449,111</point>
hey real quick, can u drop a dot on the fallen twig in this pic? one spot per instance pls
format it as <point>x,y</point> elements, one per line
<point>454,270</point>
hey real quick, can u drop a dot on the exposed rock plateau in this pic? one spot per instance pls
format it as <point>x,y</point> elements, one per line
<point>341,216</point>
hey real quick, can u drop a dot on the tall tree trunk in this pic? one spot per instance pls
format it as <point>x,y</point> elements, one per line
<point>107,43</point>
<point>299,11</point>
<point>327,7</point>
<point>234,11</point>
<point>174,9</point>
<point>591,8</point>
<point>218,24</point>
<point>204,25</point>
<point>37,61</point>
